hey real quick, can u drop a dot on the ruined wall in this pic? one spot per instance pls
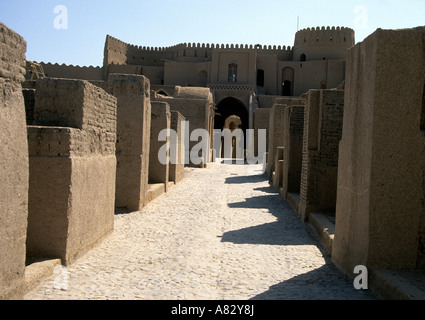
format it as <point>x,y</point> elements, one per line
<point>133,138</point>
<point>322,134</point>
<point>195,105</point>
<point>72,169</point>
<point>13,165</point>
<point>381,156</point>
<point>161,119</point>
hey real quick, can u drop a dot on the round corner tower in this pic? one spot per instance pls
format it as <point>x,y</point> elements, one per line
<point>322,43</point>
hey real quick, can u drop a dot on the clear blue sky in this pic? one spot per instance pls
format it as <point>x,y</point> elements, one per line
<point>169,22</point>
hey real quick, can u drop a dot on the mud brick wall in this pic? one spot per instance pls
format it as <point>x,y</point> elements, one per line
<point>381,158</point>
<point>13,165</point>
<point>133,138</point>
<point>261,121</point>
<point>161,119</point>
<point>177,148</point>
<point>276,133</point>
<point>196,111</point>
<point>293,141</point>
<point>72,169</point>
<point>322,134</point>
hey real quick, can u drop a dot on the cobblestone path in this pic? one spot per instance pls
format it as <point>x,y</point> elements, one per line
<point>221,234</point>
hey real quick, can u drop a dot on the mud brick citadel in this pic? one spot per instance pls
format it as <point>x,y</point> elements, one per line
<point>345,140</point>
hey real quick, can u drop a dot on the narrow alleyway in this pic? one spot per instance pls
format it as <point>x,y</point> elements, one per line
<point>222,233</point>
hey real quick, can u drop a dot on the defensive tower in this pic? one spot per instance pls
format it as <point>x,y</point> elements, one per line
<point>323,43</point>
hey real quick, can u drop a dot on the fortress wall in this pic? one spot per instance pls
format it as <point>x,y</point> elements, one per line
<point>133,138</point>
<point>118,52</point>
<point>72,169</point>
<point>115,52</point>
<point>13,165</point>
<point>322,134</point>
<point>69,72</point>
<point>381,156</point>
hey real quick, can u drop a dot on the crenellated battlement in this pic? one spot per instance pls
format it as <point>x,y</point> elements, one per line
<point>56,70</point>
<point>63,65</point>
<point>317,36</point>
<point>112,41</point>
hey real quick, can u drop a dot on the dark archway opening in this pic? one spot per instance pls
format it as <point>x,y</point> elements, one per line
<point>231,107</point>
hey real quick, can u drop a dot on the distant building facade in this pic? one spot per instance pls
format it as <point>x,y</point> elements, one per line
<point>240,77</point>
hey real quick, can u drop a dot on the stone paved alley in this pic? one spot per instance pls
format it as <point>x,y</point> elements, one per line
<point>222,234</point>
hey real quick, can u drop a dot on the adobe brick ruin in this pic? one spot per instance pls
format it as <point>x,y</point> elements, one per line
<point>72,168</point>
<point>362,156</point>
<point>380,201</point>
<point>73,151</point>
<point>324,110</point>
<point>14,170</point>
<point>133,138</point>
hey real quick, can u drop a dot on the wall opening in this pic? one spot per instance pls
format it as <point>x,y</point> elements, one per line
<point>232,114</point>
<point>233,72</point>
<point>260,78</point>
<point>287,81</point>
<point>303,57</point>
<point>231,107</point>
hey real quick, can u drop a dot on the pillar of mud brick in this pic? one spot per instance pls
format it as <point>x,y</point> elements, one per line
<point>278,172</point>
<point>276,129</point>
<point>322,133</point>
<point>380,196</point>
<point>13,166</point>
<point>158,170</point>
<point>261,121</point>
<point>133,138</point>
<point>293,138</point>
<point>72,169</point>
<point>196,106</point>
<point>177,148</point>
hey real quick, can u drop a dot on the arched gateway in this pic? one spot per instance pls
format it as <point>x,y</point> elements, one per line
<point>231,113</point>
<point>231,107</point>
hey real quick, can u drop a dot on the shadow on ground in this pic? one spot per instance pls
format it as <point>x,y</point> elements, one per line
<point>324,283</point>
<point>287,230</point>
